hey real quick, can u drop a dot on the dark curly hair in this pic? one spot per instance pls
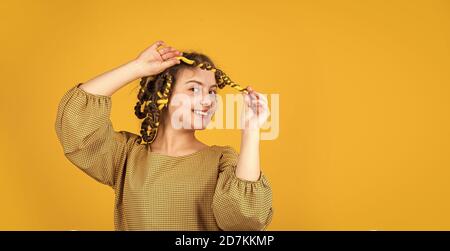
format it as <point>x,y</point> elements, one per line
<point>155,91</point>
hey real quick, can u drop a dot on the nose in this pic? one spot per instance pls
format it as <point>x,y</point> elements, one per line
<point>206,100</point>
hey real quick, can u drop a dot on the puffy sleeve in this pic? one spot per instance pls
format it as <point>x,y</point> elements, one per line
<point>84,130</point>
<point>240,204</point>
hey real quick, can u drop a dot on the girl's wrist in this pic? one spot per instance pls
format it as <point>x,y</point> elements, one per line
<point>251,133</point>
<point>135,69</point>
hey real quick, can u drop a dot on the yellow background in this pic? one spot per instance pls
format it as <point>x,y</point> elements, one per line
<point>364,137</point>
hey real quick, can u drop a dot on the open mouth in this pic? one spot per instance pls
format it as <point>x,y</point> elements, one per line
<point>201,112</point>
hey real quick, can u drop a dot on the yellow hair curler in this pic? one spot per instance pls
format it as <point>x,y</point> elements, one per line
<point>224,79</point>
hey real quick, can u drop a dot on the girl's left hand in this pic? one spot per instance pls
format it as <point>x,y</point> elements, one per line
<point>255,111</point>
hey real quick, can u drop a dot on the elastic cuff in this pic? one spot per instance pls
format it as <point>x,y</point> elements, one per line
<point>249,182</point>
<point>77,86</point>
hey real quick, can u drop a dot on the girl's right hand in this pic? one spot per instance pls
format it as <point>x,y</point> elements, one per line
<point>154,60</point>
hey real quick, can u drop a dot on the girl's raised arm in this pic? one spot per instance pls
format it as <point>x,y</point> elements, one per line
<point>151,61</point>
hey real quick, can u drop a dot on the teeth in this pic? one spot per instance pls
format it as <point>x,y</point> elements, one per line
<point>200,112</point>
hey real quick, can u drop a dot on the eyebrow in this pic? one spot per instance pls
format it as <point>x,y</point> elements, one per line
<point>200,83</point>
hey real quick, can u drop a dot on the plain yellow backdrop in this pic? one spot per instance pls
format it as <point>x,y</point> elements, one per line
<point>364,139</point>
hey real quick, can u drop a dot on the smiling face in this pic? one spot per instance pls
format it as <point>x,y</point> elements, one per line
<point>197,89</point>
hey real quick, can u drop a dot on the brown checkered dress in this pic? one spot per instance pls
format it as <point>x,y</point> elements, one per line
<point>198,191</point>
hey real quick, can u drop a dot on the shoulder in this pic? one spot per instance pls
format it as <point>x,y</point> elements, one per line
<point>224,150</point>
<point>228,156</point>
<point>129,138</point>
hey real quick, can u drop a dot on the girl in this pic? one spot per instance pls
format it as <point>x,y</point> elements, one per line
<point>165,178</point>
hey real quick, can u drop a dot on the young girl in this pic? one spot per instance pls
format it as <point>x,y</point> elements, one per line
<point>172,181</point>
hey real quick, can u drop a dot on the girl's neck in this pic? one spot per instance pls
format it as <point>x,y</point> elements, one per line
<point>171,141</point>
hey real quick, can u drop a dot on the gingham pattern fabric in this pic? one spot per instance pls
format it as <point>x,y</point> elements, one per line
<point>153,191</point>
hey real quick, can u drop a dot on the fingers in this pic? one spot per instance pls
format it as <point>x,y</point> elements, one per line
<point>252,93</point>
<point>170,62</point>
<point>256,95</point>
<point>262,97</point>
<point>256,100</point>
<point>259,104</point>
<point>246,98</point>
<point>155,45</point>
<point>171,54</point>
<point>161,47</point>
<point>168,49</point>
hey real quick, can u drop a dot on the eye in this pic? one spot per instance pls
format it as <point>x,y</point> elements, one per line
<point>195,89</point>
<point>213,92</point>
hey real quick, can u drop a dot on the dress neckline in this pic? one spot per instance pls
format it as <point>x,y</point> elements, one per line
<point>162,155</point>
